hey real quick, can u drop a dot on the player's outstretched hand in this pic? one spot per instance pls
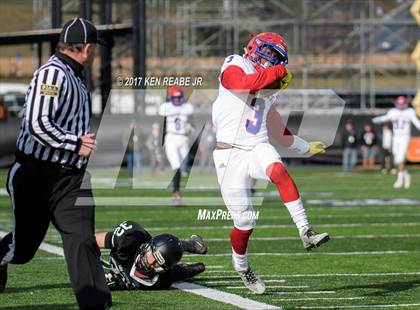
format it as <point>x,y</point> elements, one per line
<point>316,147</point>
<point>284,83</point>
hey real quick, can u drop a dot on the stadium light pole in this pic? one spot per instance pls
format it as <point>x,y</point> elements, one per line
<point>55,20</point>
<point>139,48</point>
<point>86,12</point>
<point>106,53</point>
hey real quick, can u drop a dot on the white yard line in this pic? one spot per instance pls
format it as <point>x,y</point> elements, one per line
<point>360,306</point>
<point>220,271</point>
<point>240,281</point>
<point>272,286</point>
<point>155,201</point>
<point>311,275</point>
<point>346,216</point>
<point>318,298</point>
<point>304,292</point>
<point>364,202</point>
<point>49,258</point>
<point>317,253</point>
<point>227,298</point>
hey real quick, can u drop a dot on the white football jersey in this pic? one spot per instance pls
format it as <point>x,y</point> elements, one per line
<point>176,117</point>
<point>401,121</point>
<point>240,119</point>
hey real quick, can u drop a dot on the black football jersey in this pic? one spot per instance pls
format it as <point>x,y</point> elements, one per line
<point>125,240</point>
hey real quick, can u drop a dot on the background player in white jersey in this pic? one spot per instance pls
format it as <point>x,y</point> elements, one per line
<point>243,121</point>
<point>401,117</point>
<point>176,130</point>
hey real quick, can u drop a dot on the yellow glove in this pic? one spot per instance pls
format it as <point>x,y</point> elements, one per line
<point>316,147</point>
<point>284,83</point>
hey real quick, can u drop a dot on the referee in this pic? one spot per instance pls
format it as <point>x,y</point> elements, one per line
<point>53,148</point>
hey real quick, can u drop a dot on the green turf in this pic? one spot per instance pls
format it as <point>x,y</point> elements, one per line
<point>369,243</point>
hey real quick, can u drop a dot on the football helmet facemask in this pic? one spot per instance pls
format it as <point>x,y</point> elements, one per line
<point>269,46</point>
<point>158,255</point>
<point>176,95</point>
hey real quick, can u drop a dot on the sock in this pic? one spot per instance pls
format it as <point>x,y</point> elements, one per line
<point>239,240</point>
<point>284,183</point>
<point>289,194</point>
<point>240,261</point>
<point>298,214</point>
<point>405,173</point>
<point>400,176</point>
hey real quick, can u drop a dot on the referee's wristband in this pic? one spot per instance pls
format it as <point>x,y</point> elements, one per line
<point>299,145</point>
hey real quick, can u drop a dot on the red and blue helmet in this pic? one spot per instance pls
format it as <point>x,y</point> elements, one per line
<point>401,102</point>
<point>259,46</point>
<point>176,95</point>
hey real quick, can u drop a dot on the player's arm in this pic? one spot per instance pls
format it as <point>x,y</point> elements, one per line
<point>279,132</point>
<point>189,111</point>
<point>277,129</point>
<point>236,80</point>
<point>124,233</point>
<point>415,120</point>
<point>162,109</point>
<point>43,101</point>
<point>103,240</point>
<point>382,119</point>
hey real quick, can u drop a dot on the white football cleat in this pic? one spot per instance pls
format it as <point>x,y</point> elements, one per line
<point>252,281</point>
<point>176,199</point>
<point>312,239</point>
<point>399,183</point>
<point>407,181</point>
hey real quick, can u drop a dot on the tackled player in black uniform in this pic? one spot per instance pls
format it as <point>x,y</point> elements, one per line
<point>138,261</point>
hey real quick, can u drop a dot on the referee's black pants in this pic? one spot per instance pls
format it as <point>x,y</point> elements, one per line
<point>41,195</point>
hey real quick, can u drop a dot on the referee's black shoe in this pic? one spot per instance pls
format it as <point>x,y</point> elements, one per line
<point>3,277</point>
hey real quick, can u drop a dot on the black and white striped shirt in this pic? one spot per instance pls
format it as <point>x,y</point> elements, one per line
<point>57,112</point>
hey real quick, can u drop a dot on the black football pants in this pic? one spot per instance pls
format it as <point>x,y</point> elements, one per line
<point>40,196</point>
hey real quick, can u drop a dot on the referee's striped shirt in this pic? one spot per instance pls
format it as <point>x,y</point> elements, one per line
<point>57,112</point>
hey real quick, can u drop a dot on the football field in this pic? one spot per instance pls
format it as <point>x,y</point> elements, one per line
<point>372,260</point>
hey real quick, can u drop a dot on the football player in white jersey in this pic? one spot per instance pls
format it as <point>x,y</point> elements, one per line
<point>401,117</point>
<point>243,122</point>
<point>177,127</point>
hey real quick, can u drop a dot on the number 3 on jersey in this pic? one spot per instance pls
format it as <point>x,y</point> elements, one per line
<point>254,125</point>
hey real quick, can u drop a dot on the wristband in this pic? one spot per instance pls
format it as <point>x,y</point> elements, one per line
<point>299,145</point>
